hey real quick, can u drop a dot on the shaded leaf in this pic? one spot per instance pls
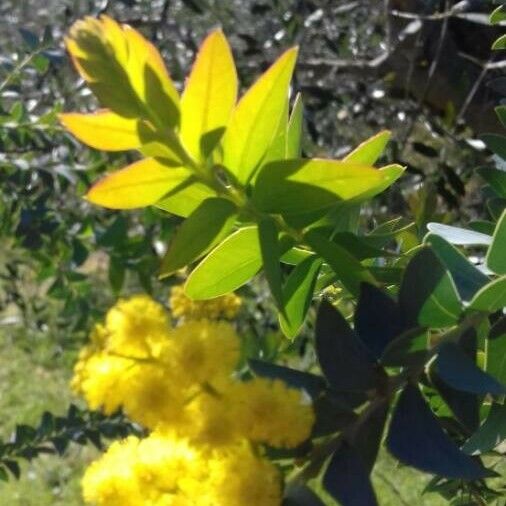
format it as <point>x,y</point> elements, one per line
<point>347,268</point>
<point>377,318</point>
<point>491,433</point>
<point>459,371</point>
<point>496,255</point>
<point>468,279</point>
<point>298,294</point>
<point>294,131</point>
<point>491,297</point>
<point>205,227</point>
<point>347,480</point>
<point>427,295</point>
<point>343,358</point>
<point>495,178</point>
<point>416,438</point>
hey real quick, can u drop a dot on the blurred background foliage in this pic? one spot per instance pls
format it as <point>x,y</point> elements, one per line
<point>421,68</point>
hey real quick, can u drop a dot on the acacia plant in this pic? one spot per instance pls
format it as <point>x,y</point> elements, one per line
<point>415,352</point>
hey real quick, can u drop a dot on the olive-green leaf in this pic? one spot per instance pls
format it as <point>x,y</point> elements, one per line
<point>202,230</point>
<point>271,253</point>
<point>228,266</point>
<point>348,269</point>
<point>298,293</point>
<point>496,256</point>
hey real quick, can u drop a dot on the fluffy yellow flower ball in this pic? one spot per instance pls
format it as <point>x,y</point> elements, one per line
<point>226,307</point>
<point>271,412</point>
<point>203,351</point>
<point>239,477</point>
<point>144,472</point>
<point>136,327</point>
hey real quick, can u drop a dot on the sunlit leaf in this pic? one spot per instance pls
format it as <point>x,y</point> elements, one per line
<point>459,236</point>
<point>302,186</point>
<point>103,130</point>
<point>370,150</point>
<point>294,133</point>
<point>141,184</point>
<point>255,119</point>
<point>124,70</point>
<point>209,96</point>
<point>227,267</point>
<point>185,197</point>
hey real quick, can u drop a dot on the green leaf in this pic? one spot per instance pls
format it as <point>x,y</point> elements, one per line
<point>184,199</point>
<point>228,266</point>
<point>348,269</point>
<point>298,294</point>
<point>255,119</point>
<point>495,178</point>
<point>116,274</point>
<point>496,255</point>
<point>466,276</point>
<point>271,253</point>
<point>427,295</point>
<point>303,186</point>
<point>500,43</point>
<point>491,433</point>
<point>496,351</point>
<point>277,149</point>
<point>495,142</point>
<point>359,246</point>
<point>491,297</point>
<point>203,229</point>
<point>370,150</point>
<point>294,133</point>
<point>498,15</point>
<point>500,110</point>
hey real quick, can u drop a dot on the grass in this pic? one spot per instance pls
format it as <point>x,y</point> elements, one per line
<point>33,379</point>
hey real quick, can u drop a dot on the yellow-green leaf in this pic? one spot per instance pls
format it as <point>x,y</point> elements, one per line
<point>103,130</point>
<point>231,264</point>
<point>124,70</point>
<point>294,133</point>
<point>186,197</point>
<point>370,150</point>
<point>255,119</point>
<point>209,96</point>
<point>303,186</point>
<point>139,185</point>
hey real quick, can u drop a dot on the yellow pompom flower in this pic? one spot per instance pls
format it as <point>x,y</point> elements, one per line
<point>203,351</point>
<point>271,412</point>
<point>224,307</point>
<point>153,397</point>
<point>136,326</point>
<point>104,381</point>
<point>239,477</point>
<point>111,480</point>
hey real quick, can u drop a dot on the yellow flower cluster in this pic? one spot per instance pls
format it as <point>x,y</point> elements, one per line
<point>226,307</point>
<point>206,425</point>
